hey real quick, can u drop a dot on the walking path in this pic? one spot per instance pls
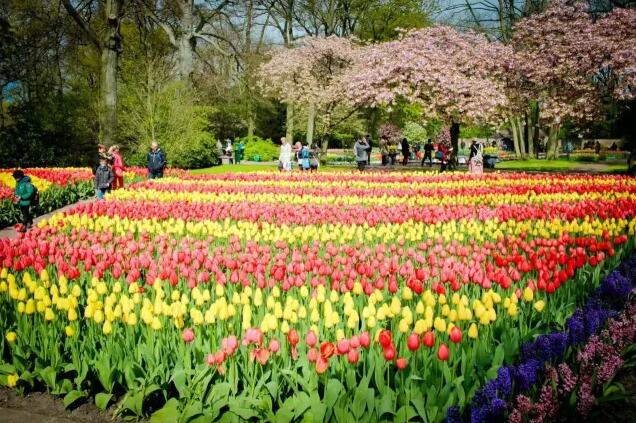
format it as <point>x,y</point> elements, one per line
<point>10,232</point>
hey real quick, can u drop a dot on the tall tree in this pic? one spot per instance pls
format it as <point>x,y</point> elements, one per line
<point>312,74</point>
<point>454,76</point>
<point>105,37</point>
<point>187,23</point>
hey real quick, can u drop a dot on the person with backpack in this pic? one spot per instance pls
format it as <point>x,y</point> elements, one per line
<point>104,177</point>
<point>26,195</point>
<point>303,157</point>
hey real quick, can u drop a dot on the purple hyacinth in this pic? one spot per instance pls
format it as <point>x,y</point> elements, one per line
<point>527,374</point>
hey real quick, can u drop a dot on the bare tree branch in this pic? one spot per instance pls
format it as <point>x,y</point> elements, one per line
<point>92,36</point>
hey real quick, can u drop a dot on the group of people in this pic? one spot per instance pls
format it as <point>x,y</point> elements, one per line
<point>109,167</point>
<point>305,157</point>
<point>235,155</point>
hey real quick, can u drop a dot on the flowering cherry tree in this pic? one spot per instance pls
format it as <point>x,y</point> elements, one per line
<point>456,77</point>
<point>313,74</point>
<point>564,59</point>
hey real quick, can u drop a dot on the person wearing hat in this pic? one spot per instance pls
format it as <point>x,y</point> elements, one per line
<point>24,195</point>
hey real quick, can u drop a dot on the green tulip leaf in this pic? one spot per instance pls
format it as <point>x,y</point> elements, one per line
<point>72,397</point>
<point>169,413</point>
<point>102,399</point>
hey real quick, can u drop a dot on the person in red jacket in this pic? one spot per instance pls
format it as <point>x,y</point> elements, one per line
<point>118,167</point>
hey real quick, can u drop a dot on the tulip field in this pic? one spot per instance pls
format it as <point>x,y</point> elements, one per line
<point>303,297</point>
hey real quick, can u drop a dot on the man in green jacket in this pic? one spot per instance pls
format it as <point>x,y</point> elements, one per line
<point>24,192</point>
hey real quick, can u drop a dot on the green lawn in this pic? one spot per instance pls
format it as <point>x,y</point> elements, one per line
<point>239,168</point>
<point>515,165</point>
<point>560,165</point>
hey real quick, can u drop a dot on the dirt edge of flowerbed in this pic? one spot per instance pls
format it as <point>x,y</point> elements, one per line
<point>48,405</point>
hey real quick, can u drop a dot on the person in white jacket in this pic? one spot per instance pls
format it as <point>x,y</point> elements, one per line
<point>285,155</point>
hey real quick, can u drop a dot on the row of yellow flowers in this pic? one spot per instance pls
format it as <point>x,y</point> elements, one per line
<point>375,201</point>
<point>240,308</point>
<point>460,230</point>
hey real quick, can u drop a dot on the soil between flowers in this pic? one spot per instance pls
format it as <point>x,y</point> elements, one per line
<point>43,407</point>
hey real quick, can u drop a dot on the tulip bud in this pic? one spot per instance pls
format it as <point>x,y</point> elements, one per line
<point>353,356</point>
<point>456,335</point>
<point>365,339</point>
<point>401,363</point>
<point>429,339</point>
<point>311,339</point>
<point>389,353</point>
<point>413,342</point>
<point>443,352</point>
<point>188,335</point>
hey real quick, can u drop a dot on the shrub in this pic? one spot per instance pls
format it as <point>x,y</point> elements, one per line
<point>255,145</point>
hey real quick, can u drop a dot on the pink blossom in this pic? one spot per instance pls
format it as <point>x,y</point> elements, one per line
<point>188,335</point>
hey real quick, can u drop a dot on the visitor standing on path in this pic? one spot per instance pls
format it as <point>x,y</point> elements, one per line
<point>285,155</point>
<point>367,138</point>
<point>101,153</point>
<point>118,167</point>
<point>156,161</point>
<point>26,194</point>
<point>476,158</point>
<point>406,151</point>
<point>428,153</point>
<point>104,178</point>
<point>443,154</point>
<point>361,151</point>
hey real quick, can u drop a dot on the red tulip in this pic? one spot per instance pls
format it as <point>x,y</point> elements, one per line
<point>442,352</point>
<point>312,355</point>
<point>343,346</point>
<point>389,353</point>
<point>311,339</point>
<point>274,345</point>
<point>365,339</point>
<point>413,342</point>
<point>354,342</point>
<point>327,349</point>
<point>385,338</point>
<point>322,365</point>
<point>188,335</point>
<point>429,339</point>
<point>456,334</point>
<point>353,356</point>
<point>292,337</point>
<point>401,363</point>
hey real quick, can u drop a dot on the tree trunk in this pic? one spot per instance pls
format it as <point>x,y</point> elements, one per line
<point>289,123</point>
<point>186,44</point>
<point>311,121</point>
<point>454,136</point>
<point>529,132</point>
<point>109,61</point>
<point>552,144</point>
<point>250,125</point>
<point>372,127</point>
<point>514,128</point>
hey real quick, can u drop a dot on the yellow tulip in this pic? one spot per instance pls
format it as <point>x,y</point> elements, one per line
<point>539,305</point>
<point>107,328</point>
<point>472,331</point>
<point>528,295</point>
<point>69,331</point>
<point>49,315</point>
<point>11,337</point>
<point>12,380</point>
